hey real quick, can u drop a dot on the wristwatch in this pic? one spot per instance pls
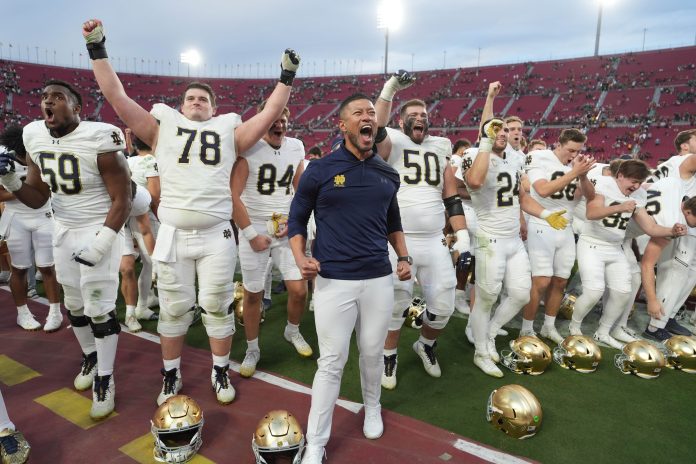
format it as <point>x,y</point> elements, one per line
<point>406,258</point>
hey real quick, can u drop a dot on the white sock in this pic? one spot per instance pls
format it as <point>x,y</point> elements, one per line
<point>459,294</point>
<point>221,361</point>
<point>130,310</point>
<point>291,329</point>
<point>253,345</point>
<point>23,309</point>
<point>53,307</point>
<point>527,326</point>
<point>389,352</point>
<point>170,364</point>
<point>426,341</point>
<point>549,321</point>
<point>106,354</point>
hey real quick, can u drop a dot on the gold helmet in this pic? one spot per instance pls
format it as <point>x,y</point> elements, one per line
<point>567,305</point>
<point>528,355</point>
<point>238,304</point>
<point>278,432</point>
<point>238,292</point>
<point>277,224</point>
<point>578,353</point>
<point>514,410</point>
<point>414,313</point>
<point>681,353</point>
<point>693,293</point>
<point>640,358</point>
<point>178,429</point>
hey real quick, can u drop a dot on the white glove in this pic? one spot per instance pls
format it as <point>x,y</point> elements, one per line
<point>462,245</point>
<point>402,79</point>
<point>8,177</point>
<point>95,251</point>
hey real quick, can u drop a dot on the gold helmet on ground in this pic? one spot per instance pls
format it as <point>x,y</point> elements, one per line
<point>278,433</point>
<point>567,306</point>
<point>578,353</point>
<point>514,410</point>
<point>528,355</point>
<point>640,358</point>
<point>681,353</point>
<point>414,313</point>
<point>177,427</point>
<point>238,304</point>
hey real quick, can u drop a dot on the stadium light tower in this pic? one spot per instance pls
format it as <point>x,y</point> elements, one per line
<point>599,23</point>
<point>191,57</point>
<point>389,16</point>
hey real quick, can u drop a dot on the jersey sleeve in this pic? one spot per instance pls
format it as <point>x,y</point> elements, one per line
<point>109,138</point>
<point>640,196</point>
<point>161,112</point>
<point>536,170</point>
<point>150,165</point>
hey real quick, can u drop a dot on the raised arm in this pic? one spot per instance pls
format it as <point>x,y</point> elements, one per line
<point>475,176</point>
<point>383,107</point>
<point>143,124</point>
<point>250,132</point>
<point>581,166</point>
<point>596,209</point>
<point>493,91</point>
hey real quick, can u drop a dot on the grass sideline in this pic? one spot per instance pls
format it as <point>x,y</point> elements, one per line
<point>604,417</point>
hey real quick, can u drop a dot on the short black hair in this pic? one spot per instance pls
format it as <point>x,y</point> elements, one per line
<point>351,99</point>
<point>140,145</point>
<point>459,144</point>
<point>70,88</point>
<point>315,151</point>
<point>11,138</point>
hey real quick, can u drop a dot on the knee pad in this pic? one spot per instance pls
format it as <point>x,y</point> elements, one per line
<point>485,299</point>
<point>519,296</point>
<point>435,321</point>
<point>174,325</point>
<point>105,325</point>
<point>216,300</point>
<point>72,299</point>
<point>77,318</point>
<point>176,302</point>
<point>219,325</point>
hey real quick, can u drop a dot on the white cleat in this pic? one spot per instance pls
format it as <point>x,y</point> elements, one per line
<point>300,344</point>
<point>389,372</point>
<point>622,335</point>
<point>574,328</point>
<point>608,340</point>
<point>248,366</point>
<point>26,320</point>
<point>53,321</point>
<point>501,333</point>
<point>133,324</point>
<point>313,455</point>
<point>373,427</point>
<point>461,305</point>
<point>427,355</point>
<point>145,314</point>
<point>469,334</point>
<point>486,364</point>
<point>224,391</point>
<point>171,385</point>
<point>492,350</point>
<point>552,334</point>
<point>528,333</point>
<point>88,370</point>
<point>103,397</point>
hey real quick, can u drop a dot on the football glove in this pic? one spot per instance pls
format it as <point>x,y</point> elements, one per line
<point>464,266</point>
<point>289,63</point>
<point>93,32</point>
<point>555,218</point>
<point>400,80</point>
<point>462,245</point>
<point>489,131</point>
<point>95,251</point>
<point>8,177</point>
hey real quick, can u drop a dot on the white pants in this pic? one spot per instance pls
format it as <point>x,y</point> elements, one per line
<point>551,251</point>
<point>603,265</point>
<point>340,306</point>
<point>673,285</point>
<point>5,422</point>
<point>29,238</point>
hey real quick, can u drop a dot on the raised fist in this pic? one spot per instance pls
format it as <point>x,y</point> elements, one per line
<point>93,31</point>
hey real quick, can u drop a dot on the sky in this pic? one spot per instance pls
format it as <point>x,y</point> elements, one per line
<point>246,39</point>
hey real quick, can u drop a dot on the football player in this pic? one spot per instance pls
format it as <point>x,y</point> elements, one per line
<point>28,233</point>
<point>428,189</point>
<point>676,274</point>
<point>195,151</point>
<point>263,182</point>
<point>601,260</point>
<point>493,180</point>
<point>139,240</point>
<point>683,164</point>
<point>80,165</point>
<point>558,179</point>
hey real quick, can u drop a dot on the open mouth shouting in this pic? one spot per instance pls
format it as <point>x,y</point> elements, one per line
<point>49,116</point>
<point>366,134</point>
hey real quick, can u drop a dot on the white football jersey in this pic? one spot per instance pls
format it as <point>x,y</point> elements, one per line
<point>141,168</point>
<point>141,202</point>
<point>268,187</point>
<point>69,166</point>
<point>497,202</point>
<point>512,153</point>
<point>17,206</point>
<point>421,168</point>
<point>670,168</point>
<point>545,165</point>
<point>456,162</point>
<point>195,159</point>
<point>594,174</point>
<point>612,229</point>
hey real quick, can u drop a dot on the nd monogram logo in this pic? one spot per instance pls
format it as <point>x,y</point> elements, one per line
<point>116,138</point>
<point>340,180</point>
<point>227,233</point>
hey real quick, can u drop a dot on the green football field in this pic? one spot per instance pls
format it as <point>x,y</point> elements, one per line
<point>603,417</point>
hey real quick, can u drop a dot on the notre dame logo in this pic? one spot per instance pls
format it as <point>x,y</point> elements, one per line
<point>116,138</point>
<point>227,233</point>
<point>49,214</point>
<point>339,180</point>
<point>594,181</point>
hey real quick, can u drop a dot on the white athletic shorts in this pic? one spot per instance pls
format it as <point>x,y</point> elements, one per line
<point>551,251</point>
<point>603,264</point>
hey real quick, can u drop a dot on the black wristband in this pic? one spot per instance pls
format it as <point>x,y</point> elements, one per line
<point>286,77</point>
<point>97,50</point>
<point>381,134</point>
<point>453,206</point>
